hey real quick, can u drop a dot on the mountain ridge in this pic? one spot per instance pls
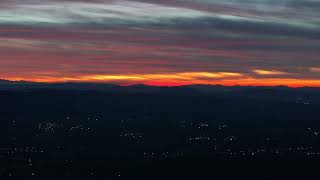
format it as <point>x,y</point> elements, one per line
<point>140,85</point>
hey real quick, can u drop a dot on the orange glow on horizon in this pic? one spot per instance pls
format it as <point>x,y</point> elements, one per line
<point>179,79</point>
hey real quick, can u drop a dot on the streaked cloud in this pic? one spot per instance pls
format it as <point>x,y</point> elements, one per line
<point>120,13</point>
<point>315,69</point>
<point>268,72</point>
<point>105,13</point>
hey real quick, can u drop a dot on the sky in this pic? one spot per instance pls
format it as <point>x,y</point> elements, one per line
<point>161,42</point>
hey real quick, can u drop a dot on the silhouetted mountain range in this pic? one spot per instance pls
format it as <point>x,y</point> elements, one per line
<point>276,94</point>
<point>6,85</point>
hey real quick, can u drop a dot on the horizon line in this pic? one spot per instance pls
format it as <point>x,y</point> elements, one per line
<point>159,85</point>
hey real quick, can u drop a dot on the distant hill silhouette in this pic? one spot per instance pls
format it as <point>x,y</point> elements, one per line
<point>6,85</point>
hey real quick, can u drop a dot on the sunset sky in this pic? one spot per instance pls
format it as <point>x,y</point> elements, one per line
<point>161,42</point>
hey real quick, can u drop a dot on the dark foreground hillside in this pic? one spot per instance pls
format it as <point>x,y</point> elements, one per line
<point>144,132</point>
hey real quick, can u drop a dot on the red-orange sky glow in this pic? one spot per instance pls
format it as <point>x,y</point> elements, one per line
<point>179,79</point>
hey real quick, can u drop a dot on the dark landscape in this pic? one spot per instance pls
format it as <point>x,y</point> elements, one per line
<point>90,131</point>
